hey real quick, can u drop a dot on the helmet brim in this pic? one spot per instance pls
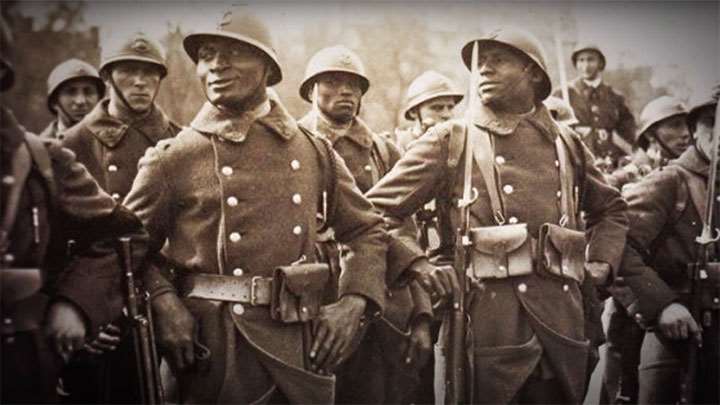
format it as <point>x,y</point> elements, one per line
<point>455,95</point>
<point>192,43</point>
<point>133,58</point>
<point>642,139</point>
<point>305,85</point>
<point>575,54</point>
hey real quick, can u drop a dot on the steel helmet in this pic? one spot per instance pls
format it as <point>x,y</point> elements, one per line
<point>333,59</point>
<point>588,48</point>
<point>72,69</point>
<point>239,25</point>
<point>428,86</point>
<point>516,39</point>
<point>709,102</point>
<point>655,111</point>
<point>561,110</point>
<point>138,47</point>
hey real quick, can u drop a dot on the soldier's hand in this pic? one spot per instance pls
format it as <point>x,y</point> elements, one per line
<point>420,345</point>
<point>334,329</point>
<point>676,322</point>
<point>175,327</point>
<point>440,281</point>
<point>107,340</point>
<point>65,328</point>
<point>599,272</point>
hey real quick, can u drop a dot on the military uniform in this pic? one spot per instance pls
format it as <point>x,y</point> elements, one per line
<point>48,196</point>
<point>664,221</point>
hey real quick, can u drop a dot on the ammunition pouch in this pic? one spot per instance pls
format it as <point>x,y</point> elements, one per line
<point>561,252</point>
<point>298,291</point>
<point>501,251</point>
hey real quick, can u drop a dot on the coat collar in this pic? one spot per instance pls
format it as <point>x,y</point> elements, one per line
<point>234,127</point>
<point>110,130</point>
<point>693,161</point>
<point>358,132</point>
<point>583,88</point>
<point>506,124</point>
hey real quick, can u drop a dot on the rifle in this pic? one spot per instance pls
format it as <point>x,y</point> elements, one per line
<point>699,273</point>
<point>140,315</point>
<point>455,378</point>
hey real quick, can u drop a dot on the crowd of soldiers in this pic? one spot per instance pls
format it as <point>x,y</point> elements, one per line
<point>319,261</point>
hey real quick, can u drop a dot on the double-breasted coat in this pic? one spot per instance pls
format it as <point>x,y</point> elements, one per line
<point>517,321</point>
<point>236,195</point>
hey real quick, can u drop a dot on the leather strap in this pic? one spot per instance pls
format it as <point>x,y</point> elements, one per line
<point>567,209</point>
<point>483,151</point>
<point>253,290</point>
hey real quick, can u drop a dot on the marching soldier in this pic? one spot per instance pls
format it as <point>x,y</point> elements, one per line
<point>662,136</point>
<point>606,124</point>
<point>110,141</point>
<point>526,340</point>
<point>49,313</point>
<point>233,203</point>
<point>74,87</point>
<point>384,367</point>
<point>667,211</point>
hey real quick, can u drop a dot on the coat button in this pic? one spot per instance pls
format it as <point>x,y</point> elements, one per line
<point>500,160</point>
<point>232,201</point>
<point>297,229</point>
<point>368,168</point>
<point>513,220</point>
<point>112,168</point>
<point>7,321</point>
<point>566,287</point>
<point>522,287</point>
<point>638,316</point>
<point>8,258</point>
<point>508,189</point>
<point>557,163</point>
<point>238,309</point>
<point>295,164</point>
<point>296,199</point>
<point>235,237</point>
<point>227,170</point>
<point>115,196</point>
<point>558,194</point>
<point>238,272</point>
<point>8,180</point>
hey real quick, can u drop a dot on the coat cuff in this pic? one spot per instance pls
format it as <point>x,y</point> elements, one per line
<point>422,302</point>
<point>399,257</point>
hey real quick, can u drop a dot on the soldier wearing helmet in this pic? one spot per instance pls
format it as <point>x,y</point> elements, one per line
<point>605,122</point>
<point>526,322</point>
<point>74,87</point>
<point>51,307</point>
<point>398,344</point>
<point>232,205</point>
<point>110,141</point>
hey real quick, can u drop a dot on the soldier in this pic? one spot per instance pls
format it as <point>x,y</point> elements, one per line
<point>384,367</point>
<point>527,335</point>
<point>233,202</point>
<point>667,211</point>
<point>430,100</point>
<point>74,87</point>
<point>606,124</point>
<point>48,313</point>
<point>109,142</point>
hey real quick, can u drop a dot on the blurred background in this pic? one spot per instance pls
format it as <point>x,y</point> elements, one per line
<point>652,48</point>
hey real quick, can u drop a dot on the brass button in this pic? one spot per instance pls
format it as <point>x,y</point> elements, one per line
<point>238,272</point>
<point>238,309</point>
<point>513,220</point>
<point>368,168</point>
<point>8,258</point>
<point>559,194</point>
<point>296,199</point>
<point>8,180</point>
<point>235,237</point>
<point>232,201</point>
<point>566,287</point>
<point>557,163</point>
<point>297,229</point>
<point>227,170</point>
<point>115,196</point>
<point>500,160</point>
<point>112,168</point>
<point>522,287</point>
<point>508,189</point>
<point>7,321</point>
<point>295,164</point>
<point>638,316</point>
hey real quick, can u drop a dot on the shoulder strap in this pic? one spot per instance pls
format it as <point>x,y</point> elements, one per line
<point>380,147</point>
<point>695,187</point>
<point>456,145</point>
<point>41,157</point>
<point>328,183</point>
<point>579,165</point>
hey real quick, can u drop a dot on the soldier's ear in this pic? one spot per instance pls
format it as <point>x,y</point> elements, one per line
<point>414,114</point>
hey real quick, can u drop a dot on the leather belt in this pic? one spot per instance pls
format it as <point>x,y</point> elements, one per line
<point>253,290</point>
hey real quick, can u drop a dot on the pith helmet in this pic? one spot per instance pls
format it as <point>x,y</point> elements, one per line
<point>428,86</point>
<point>655,111</point>
<point>333,59</point>
<point>6,45</point>
<point>561,110</point>
<point>588,48</point>
<point>138,47</point>
<point>239,25</point>
<point>710,102</point>
<point>69,70</point>
<point>519,40</point>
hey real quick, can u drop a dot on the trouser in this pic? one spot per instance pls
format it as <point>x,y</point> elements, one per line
<point>29,369</point>
<point>620,376</point>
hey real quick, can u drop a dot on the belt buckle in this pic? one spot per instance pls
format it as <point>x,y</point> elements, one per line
<point>253,289</point>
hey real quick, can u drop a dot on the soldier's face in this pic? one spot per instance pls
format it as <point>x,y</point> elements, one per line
<point>587,64</point>
<point>436,110</point>
<point>505,77</point>
<point>77,98</point>
<point>704,130</point>
<point>138,82</point>
<point>339,95</point>
<point>233,74</point>
<point>673,132</point>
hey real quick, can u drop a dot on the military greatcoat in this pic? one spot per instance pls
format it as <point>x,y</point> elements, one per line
<point>516,322</point>
<point>236,196</point>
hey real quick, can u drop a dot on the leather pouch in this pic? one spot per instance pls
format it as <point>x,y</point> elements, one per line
<point>298,291</point>
<point>562,252</point>
<point>501,251</point>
